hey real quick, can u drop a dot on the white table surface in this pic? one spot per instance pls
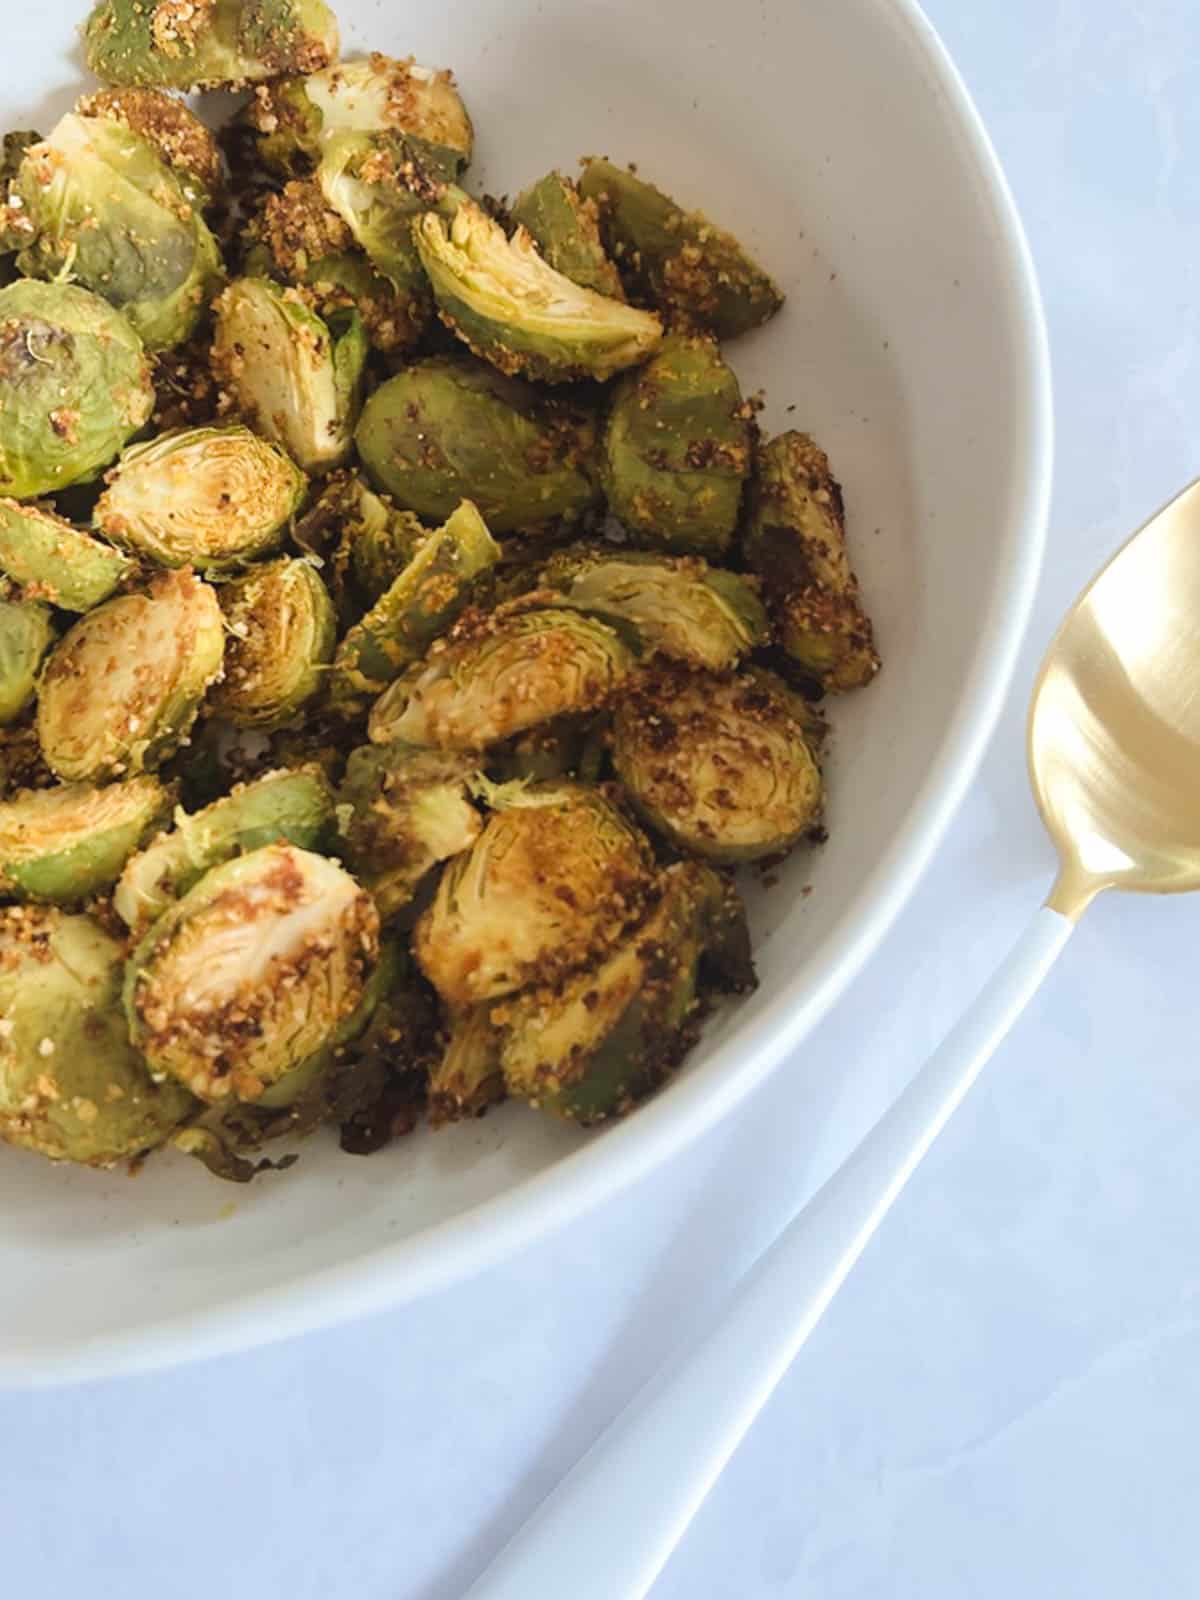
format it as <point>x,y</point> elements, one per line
<point>1004,1400</point>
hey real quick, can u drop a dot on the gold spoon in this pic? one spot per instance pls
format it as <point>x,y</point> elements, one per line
<point>1114,756</point>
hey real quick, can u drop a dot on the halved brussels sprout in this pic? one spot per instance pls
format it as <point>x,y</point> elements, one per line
<point>123,685</point>
<point>67,844</point>
<point>360,538</point>
<point>74,386</point>
<point>26,633</point>
<point>378,192</point>
<point>677,448</point>
<point>566,230</point>
<point>501,675</point>
<point>16,230</point>
<point>795,536</point>
<point>252,972</point>
<point>295,806</point>
<point>53,560</point>
<point>71,1086</point>
<point>451,429</point>
<point>681,261</point>
<point>282,630</point>
<point>416,608</point>
<point>680,607</point>
<point>570,747</point>
<point>207,44</point>
<point>107,210</point>
<point>553,879</point>
<point>402,810</point>
<point>718,763</point>
<point>513,309</point>
<point>296,378</point>
<point>467,1078</point>
<point>211,498</point>
<point>178,135</point>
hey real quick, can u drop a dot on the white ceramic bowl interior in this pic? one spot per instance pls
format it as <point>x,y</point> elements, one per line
<point>834,137</point>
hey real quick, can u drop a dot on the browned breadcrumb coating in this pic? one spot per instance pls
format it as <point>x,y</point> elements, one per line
<point>186,393</point>
<point>299,228</point>
<point>182,140</point>
<point>22,764</point>
<point>177,26</point>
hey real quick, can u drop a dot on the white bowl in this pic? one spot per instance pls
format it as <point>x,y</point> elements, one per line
<point>835,138</point>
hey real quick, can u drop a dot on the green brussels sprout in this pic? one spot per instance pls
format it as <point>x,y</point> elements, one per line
<point>679,606</point>
<point>107,210</point>
<point>254,971</point>
<point>795,536</point>
<point>466,1079</point>
<point>512,308</point>
<point>501,675</point>
<point>177,134</point>
<point>26,633</point>
<point>447,430</point>
<point>554,878</point>
<point>295,377</point>
<point>53,560</point>
<point>282,630</point>
<point>680,261</point>
<point>718,763</point>
<point>295,806</point>
<point>122,687</point>
<point>377,193</point>
<point>71,1086</point>
<point>74,386</point>
<point>210,498</point>
<point>401,811</point>
<point>677,448</point>
<point>67,844</point>
<point>378,541</point>
<point>207,44</point>
<point>416,608</point>
<point>566,230</point>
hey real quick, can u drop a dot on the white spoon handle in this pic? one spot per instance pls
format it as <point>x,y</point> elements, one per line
<point>606,1532</point>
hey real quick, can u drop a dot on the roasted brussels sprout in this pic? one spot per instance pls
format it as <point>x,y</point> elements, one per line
<point>53,560</point>
<point>677,448</point>
<point>295,377</point>
<point>554,878</point>
<point>123,685</point>
<point>67,844</point>
<point>421,603</point>
<point>252,972</point>
<point>71,1086</point>
<point>719,764</point>
<point>26,633</point>
<point>211,498</point>
<point>378,192</point>
<point>501,675</point>
<point>795,536</point>
<point>282,629</point>
<point>207,44</point>
<point>684,264</point>
<point>447,430</point>
<point>467,1079</point>
<point>510,307</point>
<point>176,133</point>
<point>16,230</point>
<point>377,541</point>
<point>106,209</point>
<point>569,747</point>
<point>74,386</point>
<point>565,229</point>
<point>679,606</point>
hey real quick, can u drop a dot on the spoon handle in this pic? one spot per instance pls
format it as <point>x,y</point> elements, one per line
<point>608,1529</point>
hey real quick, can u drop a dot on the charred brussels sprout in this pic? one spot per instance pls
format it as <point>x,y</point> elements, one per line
<point>565,229</point>
<point>123,685</point>
<point>552,880</point>
<point>282,628</point>
<point>417,607</point>
<point>74,386</point>
<point>447,430</point>
<point>718,763</point>
<point>71,1086</point>
<point>500,676</point>
<point>67,844</point>
<point>684,264</point>
<point>211,498</point>
<point>252,972</point>
<point>205,44</point>
<point>53,560</point>
<point>26,633</point>
<point>177,134</point>
<point>512,308</point>
<point>467,1077</point>
<point>677,448</point>
<point>107,210</point>
<point>401,811</point>
<point>795,536</point>
<point>296,378</point>
<point>292,806</point>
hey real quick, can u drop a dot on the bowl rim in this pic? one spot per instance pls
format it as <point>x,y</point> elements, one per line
<point>493,1230</point>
